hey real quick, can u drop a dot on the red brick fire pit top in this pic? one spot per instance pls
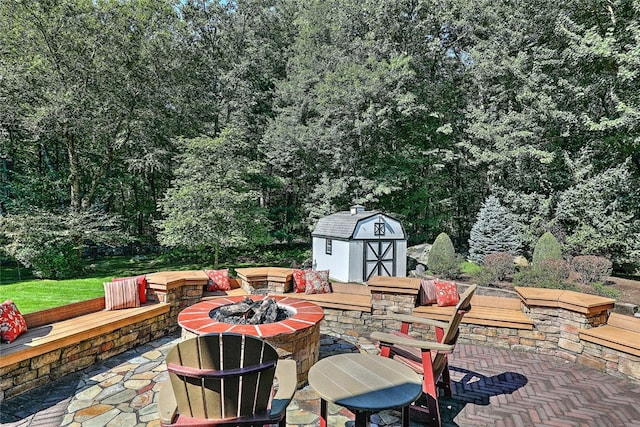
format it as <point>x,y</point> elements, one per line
<point>196,317</point>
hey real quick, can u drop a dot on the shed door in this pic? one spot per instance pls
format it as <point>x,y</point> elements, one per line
<point>379,258</point>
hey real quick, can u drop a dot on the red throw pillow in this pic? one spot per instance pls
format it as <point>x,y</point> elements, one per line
<point>142,286</point>
<point>446,293</point>
<point>218,280</point>
<point>299,280</point>
<point>427,292</point>
<point>12,323</point>
<point>317,282</point>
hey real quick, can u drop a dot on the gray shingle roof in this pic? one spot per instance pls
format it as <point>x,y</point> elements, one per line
<point>340,225</point>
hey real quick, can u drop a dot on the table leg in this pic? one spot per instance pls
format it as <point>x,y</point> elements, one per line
<point>323,413</point>
<point>362,418</point>
<point>405,416</point>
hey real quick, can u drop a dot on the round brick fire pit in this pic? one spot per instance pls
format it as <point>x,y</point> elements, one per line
<point>297,337</point>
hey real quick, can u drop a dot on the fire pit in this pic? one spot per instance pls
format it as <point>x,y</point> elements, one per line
<point>297,336</point>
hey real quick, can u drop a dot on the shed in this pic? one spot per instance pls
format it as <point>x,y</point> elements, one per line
<point>357,244</point>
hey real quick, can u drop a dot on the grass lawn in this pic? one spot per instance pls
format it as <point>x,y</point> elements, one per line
<point>35,295</point>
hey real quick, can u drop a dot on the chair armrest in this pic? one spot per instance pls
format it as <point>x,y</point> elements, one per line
<point>167,405</point>
<point>410,342</point>
<point>287,383</point>
<point>420,320</point>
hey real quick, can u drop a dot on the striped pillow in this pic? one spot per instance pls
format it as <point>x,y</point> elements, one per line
<point>121,294</point>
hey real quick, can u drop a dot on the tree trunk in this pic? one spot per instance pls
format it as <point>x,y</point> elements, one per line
<point>74,173</point>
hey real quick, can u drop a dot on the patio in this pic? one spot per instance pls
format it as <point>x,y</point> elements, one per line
<point>491,387</point>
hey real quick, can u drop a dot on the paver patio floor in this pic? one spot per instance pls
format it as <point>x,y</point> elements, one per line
<point>492,387</point>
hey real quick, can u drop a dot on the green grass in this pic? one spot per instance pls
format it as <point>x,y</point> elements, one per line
<point>35,295</point>
<point>469,268</point>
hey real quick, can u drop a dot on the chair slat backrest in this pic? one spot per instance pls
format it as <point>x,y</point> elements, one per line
<point>222,375</point>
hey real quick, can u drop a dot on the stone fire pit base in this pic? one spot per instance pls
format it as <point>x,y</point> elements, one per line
<point>297,337</point>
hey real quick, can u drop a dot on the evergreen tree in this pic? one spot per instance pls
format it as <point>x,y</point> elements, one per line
<point>492,232</point>
<point>547,247</point>
<point>442,257</point>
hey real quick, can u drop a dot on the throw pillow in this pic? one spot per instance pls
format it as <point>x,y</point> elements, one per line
<point>427,292</point>
<point>142,286</point>
<point>446,293</point>
<point>299,280</point>
<point>121,294</point>
<point>317,282</point>
<point>12,323</point>
<point>218,280</point>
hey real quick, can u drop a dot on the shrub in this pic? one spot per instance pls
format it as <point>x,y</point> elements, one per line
<point>536,277</point>
<point>501,263</point>
<point>442,258</point>
<point>592,269</point>
<point>484,276</point>
<point>547,247</point>
<point>557,267</point>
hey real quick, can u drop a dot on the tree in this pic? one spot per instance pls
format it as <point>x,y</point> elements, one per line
<point>211,204</point>
<point>547,248</point>
<point>600,213</point>
<point>492,232</point>
<point>442,257</point>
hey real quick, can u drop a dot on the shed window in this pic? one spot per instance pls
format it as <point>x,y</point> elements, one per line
<point>379,228</point>
<point>328,246</point>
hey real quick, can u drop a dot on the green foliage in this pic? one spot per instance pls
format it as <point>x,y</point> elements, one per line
<point>600,213</point>
<point>211,204</point>
<point>537,277</point>
<point>442,259</point>
<point>492,232</point>
<point>501,263</point>
<point>592,269</point>
<point>556,267</point>
<point>605,291</point>
<point>51,244</point>
<point>484,276</point>
<point>547,247</point>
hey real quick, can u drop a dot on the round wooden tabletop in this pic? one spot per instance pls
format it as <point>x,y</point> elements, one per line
<point>365,382</point>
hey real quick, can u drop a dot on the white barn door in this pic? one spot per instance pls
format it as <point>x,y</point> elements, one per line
<point>379,258</point>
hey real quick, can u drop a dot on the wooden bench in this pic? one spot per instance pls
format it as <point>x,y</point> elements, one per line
<point>578,302</point>
<point>60,327</point>
<point>235,291</point>
<point>502,312</point>
<point>620,333</point>
<point>345,296</point>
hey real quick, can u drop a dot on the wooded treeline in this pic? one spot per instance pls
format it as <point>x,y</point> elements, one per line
<point>207,124</point>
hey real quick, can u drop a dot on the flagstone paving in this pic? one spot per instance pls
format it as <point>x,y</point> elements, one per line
<point>490,386</point>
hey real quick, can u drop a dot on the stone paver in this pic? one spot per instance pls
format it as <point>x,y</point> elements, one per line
<point>490,386</point>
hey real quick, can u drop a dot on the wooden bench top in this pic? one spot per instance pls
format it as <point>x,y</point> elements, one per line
<point>43,339</point>
<point>569,300</point>
<point>401,285</point>
<point>165,280</point>
<point>621,333</point>
<point>485,310</point>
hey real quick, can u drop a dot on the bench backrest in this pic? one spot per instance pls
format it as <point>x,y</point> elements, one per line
<point>350,288</point>
<point>495,302</point>
<point>624,322</point>
<point>57,314</point>
<point>222,375</point>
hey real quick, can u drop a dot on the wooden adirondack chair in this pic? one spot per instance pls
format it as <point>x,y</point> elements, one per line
<point>226,380</point>
<point>429,358</point>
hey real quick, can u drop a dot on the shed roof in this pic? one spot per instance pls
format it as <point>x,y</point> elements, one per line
<point>341,224</point>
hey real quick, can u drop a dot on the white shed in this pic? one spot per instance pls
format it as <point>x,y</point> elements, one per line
<point>357,244</point>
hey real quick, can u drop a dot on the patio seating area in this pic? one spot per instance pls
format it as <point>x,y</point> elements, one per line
<point>491,387</point>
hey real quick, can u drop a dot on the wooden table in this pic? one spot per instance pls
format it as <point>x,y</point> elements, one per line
<point>364,383</point>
